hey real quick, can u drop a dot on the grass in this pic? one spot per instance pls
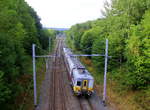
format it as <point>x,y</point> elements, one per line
<point>118,98</point>
<point>127,100</point>
<point>26,99</point>
<point>41,69</point>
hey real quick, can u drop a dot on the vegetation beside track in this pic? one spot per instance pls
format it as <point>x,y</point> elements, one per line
<point>20,28</point>
<point>126,25</point>
<point>26,100</point>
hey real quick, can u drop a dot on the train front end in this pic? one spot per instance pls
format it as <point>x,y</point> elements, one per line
<point>84,84</point>
<point>87,87</point>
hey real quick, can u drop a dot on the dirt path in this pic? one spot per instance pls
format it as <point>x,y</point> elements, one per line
<point>56,92</point>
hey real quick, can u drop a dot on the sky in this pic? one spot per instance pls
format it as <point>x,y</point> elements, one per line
<point>65,13</point>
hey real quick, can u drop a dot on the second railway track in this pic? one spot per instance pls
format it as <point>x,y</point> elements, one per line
<point>57,98</point>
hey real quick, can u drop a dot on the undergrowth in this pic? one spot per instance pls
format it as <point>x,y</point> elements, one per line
<point>25,99</point>
<point>119,96</point>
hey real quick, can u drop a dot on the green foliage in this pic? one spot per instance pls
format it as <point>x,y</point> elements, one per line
<point>138,53</point>
<point>20,28</point>
<point>98,48</point>
<point>126,24</point>
<point>4,90</point>
<point>76,32</point>
<point>88,38</point>
<point>117,35</point>
<point>69,40</point>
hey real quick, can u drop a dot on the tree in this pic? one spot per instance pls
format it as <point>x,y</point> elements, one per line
<point>76,33</point>
<point>137,53</point>
<point>20,28</point>
<point>88,38</point>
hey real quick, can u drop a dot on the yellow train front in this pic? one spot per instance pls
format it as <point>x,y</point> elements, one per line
<point>82,82</point>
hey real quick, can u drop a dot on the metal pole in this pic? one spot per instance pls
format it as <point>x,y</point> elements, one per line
<point>46,60</point>
<point>105,71</point>
<point>34,75</point>
<point>49,44</point>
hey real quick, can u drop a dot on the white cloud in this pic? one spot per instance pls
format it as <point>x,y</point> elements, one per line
<point>64,13</point>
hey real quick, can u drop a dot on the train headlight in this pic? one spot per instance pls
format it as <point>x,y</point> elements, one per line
<point>90,89</point>
<point>77,88</point>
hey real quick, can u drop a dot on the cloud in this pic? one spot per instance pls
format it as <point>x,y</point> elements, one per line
<point>64,13</point>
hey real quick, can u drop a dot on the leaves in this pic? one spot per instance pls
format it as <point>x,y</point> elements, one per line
<point>20,27</point>
<point>127,26</point>
<point>4,90</point>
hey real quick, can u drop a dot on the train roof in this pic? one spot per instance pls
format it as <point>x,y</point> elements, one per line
<point>79,70</point>
<point>78,75</point>
<point>76,61</point>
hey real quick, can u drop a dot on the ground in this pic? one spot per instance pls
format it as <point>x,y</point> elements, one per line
<point>56,92</point>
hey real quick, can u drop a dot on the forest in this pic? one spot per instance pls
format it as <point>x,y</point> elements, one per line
<point>20,27</point>
<point>126,24</point>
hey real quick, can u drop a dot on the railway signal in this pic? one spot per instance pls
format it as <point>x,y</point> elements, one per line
<point>105,67</point>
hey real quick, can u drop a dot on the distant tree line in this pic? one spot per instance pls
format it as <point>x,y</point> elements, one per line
<point>20,27</point>
<point>126,23</point>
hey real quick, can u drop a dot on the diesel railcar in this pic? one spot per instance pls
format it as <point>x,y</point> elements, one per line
<point>81,80</point>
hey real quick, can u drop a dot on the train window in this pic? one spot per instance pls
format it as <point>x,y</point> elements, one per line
<point>84,83</point>
<point>78,83</point>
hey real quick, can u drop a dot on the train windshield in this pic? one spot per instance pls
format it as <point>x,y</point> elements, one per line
<point>84,83</point>
<point>78,83</point>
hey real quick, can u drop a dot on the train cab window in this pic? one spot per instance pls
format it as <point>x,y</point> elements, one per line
<point>84,83</point>
<point>78,83</point>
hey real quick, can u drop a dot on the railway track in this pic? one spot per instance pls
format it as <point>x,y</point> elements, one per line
<point>61,94</point>
<point>57,90</point>
<point>84,104</point>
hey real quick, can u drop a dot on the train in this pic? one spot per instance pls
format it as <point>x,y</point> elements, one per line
<point>82,81</point>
